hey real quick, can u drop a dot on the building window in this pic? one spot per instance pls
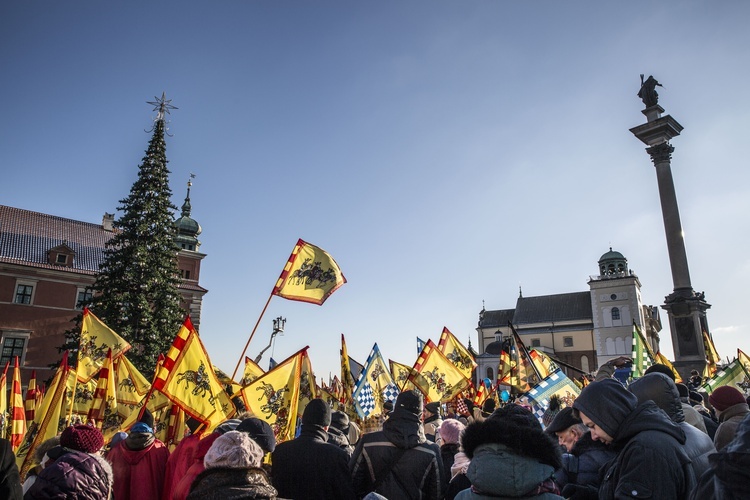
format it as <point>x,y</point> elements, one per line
<point>12,347</point>
<point>567,341</point>
<point>61,258</point>
<point>23,294</point>
<point>536,343</point>
<point>585,364</point>
<point>84,295</point>
<point>615,314</point>
<point>490,373</point>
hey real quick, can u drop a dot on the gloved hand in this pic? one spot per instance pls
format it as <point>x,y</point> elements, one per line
<point>580,492</point>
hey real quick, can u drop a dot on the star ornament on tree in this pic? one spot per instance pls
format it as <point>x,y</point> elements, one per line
<point>161,105</point>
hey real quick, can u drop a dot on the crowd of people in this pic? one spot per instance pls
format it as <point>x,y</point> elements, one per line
<point>653,438</point>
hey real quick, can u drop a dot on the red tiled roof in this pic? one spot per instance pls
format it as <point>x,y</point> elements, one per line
<point>26,237</point>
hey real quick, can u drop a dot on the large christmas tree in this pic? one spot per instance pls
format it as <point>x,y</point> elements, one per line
<point>135,292</point>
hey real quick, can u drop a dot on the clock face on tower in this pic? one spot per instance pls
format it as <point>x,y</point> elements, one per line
<point>613,296</point>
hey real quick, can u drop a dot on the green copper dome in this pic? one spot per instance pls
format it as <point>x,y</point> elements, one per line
<point>188,228</point>
<point>613,263</point>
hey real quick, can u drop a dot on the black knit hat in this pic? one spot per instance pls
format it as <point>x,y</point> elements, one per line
<point>660,368</point>
<point>563,419</point>
<point>340,421</point>
<point>607,403</point>
<point>260,432</point>
<point>409,401</point>
<point>317,412</point>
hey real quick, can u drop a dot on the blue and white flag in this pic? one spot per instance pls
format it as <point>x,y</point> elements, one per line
<point>374,387</point>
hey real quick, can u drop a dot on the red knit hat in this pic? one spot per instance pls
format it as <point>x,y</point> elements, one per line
<point>82,438</point>
<point>724,397</point>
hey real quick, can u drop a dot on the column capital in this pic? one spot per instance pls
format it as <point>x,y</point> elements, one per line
<point>661,152</point>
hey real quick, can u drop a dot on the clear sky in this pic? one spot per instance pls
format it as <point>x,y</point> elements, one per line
<point>444,152</point>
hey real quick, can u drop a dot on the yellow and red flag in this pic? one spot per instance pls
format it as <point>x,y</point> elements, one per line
<point>744,359</point>
<point>3,398</point>
<point>375,386</point>
<point>104,406</point>
<point>80,395</point>
<point>132,386</point>
<point>455,351</point>
<point>400,373</point>
<point>17,410</point>
<point>346,373</point>
<point>712,357</point>
<point>662,360</point>
<point>310,275</point>
<point>252,371</point>
<point>274,396</point>
<point>544,366</point>
<point>48,421</point>
<point>96,338</point>
<point>307,388</point>
<point>29,401</point>
<point>187,378</point>
<point>434,375</point>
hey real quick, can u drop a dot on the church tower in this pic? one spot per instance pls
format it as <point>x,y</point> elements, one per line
<point>615,305</point>
<point>189,260</point>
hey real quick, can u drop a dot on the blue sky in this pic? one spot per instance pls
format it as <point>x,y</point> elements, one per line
<point>444,153</point>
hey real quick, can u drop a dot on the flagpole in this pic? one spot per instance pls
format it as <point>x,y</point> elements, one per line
<point>522,347</point>
<point>242,354</point>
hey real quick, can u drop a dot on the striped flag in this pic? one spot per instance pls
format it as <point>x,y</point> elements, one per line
<point>187,378</point>
<point>557,383</point>
<point>732,375</point>
<point>643,356</point>
<point>17,409</point>
<point>30,400</point>
<point>49,420</point>
<point>104,406</point>
<point>3,399</point>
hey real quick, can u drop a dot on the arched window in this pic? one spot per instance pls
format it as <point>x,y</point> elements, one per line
<point>620,346</point>
<point>610,344</point>
<point>585,363</point>
<point>615,314</point>
<point>490,373</point>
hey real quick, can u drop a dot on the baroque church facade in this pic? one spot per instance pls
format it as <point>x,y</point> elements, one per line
<point>580,330</point>
<point>47,267</point>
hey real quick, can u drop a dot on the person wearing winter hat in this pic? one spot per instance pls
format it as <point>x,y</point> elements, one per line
<point>409,465</point>
<point>450,442</point>
<point>731,408</point>
<point>139,464</point>
<point>691,414</point>
<point>729,472</point>
<point>307,466</point>
<point>651,460</point>
<point>431,420</point>
<point>338,432</point>
<point>232,470</point>
<point>260,432</point>
<point>554,407</point>
<point>10,481</point>
<point>663,391</point>
<point>74,468</point>
<point>583,457</point>
<point>511,457</point>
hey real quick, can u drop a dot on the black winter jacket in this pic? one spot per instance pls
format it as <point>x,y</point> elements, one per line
<point>417,475</point>
<point>651,460</point>
<point>582,464</point>
<point>660,389</point>
<point>308,467</point>
<point>729,471</point>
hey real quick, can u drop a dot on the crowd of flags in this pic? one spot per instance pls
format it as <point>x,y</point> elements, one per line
<point>106,390</point>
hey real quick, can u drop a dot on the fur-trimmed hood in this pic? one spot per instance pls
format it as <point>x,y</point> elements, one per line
<point>529,442</point>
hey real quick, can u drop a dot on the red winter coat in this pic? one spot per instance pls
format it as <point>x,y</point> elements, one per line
<point>139,473</point>
<point>179,462</point>
<point>182,488</point>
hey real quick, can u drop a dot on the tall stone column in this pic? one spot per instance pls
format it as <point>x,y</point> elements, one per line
<point>686,308</point>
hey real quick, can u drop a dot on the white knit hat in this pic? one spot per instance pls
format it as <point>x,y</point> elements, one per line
<point>234,450</point>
